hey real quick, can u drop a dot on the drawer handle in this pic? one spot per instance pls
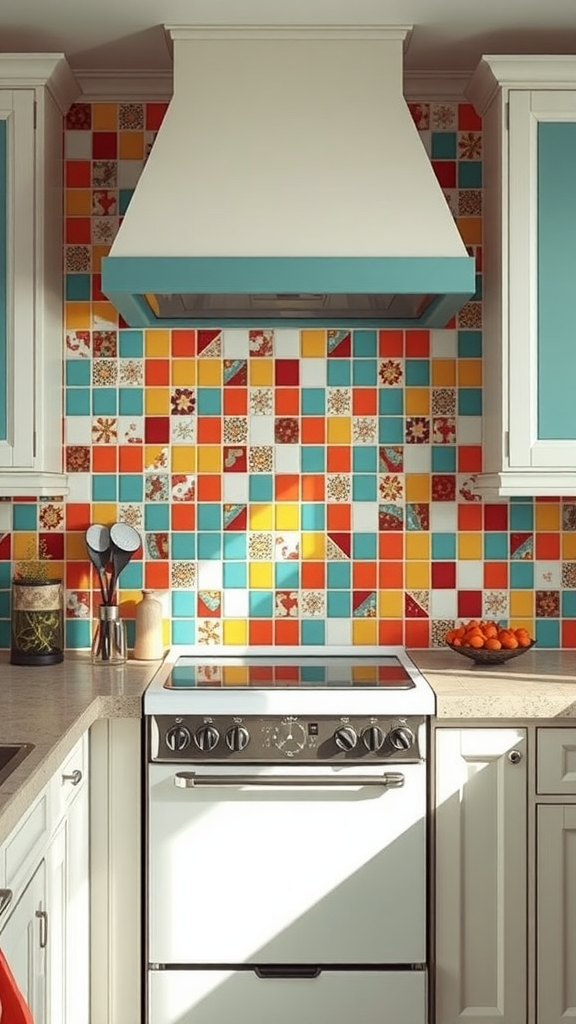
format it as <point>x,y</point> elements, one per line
<point>515,756</point>
<point>5,899</point>
<point>43,919</point>
<point>75,777</point>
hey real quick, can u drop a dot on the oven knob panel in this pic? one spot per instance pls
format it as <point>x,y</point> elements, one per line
<point>237,738</point>
<point>373,738</point>
<point>178,738</point>
<point>401,738</point>
<point>289,737</point>
<point>346,737</point>
<point>206,737</point>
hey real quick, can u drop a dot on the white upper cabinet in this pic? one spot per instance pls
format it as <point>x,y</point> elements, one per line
<point>528,106</point>
<point>36,90</point>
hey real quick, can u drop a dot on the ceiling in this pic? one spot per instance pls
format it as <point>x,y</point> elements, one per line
<point>127,36</point>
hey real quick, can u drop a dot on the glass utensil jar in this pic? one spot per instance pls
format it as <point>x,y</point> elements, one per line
<point>109,644</point>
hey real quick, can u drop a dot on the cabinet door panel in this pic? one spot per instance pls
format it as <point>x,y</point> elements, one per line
<point>556,914</point>
<point>20,943</point>
<point>481,845</point>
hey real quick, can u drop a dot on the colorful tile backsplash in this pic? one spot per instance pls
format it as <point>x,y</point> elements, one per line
<point>290,487</point>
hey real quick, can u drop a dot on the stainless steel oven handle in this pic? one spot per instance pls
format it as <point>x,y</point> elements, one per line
<point>191,780</point>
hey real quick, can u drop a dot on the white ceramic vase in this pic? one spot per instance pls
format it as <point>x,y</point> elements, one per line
<point>148,644</point>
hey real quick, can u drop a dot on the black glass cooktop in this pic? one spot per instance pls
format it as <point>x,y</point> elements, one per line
<point>386,672</point>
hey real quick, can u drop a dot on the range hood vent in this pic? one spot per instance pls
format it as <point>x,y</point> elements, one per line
<point>288,186</point>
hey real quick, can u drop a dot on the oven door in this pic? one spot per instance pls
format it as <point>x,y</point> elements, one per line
<point>273,865</point>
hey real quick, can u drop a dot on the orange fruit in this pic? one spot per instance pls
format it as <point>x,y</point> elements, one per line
<point>509,642</point>
<point>477,640</point>
<point>492,644</point>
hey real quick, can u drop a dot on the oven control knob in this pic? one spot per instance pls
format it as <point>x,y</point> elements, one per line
<point>178,738</point>
<point>237,738</point>
<point>206,737</point>
<point>345,737</point>
<point>373,738</point>
<point>401,738</point>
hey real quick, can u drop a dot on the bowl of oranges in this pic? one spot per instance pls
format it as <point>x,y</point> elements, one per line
<point>487,642</point>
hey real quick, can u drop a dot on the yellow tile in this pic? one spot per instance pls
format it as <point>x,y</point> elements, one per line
<point>470,229</point>
<point>313,344</point>
<point>104,115</point>
<point>209,458</point>
<point>56,570</point>
<point>104,512</point>
<point>417,576</point>
<point>156,344</point>
<point>417,401</point>
<point>391,604</point>
<point>260,517</point>
<point>78,202</point>
<point>235,631</point>
<point>209,373</point>
<point>364,631</point>
<point>416,545</point>
<point>470,373</point>
<point>184,372</point>
<point>287,517</point>
<point>547,515</point>
<point>157,401</point>
<point>339,429</point>
<point>75,546</point>
<point>131,146</point>
<point>166,634</point>
<point>470,546</point>
<point>417,486</point>
<point>260,575</point>
<point>104,316</point>
<point>313,546</point>
<point>183,458</point>
<point>236,674</point>
<point>569,546</point>
<point>24,545</point>
<point>521,603</point>
<point>444,373</point>
<point>77,316</point>
<point>527,624</point>
<point>154,456</point>
<point>98,253</point>
<point>260,373</point>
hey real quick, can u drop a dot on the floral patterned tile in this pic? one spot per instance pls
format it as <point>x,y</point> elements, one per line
<point>183,575</point>
<point>51,516</point>
<point>78,458</point>
<point>132,514</point>
<point>261,401</point>
<point>209,631</point>
<point>77,604</point>
<point>391,372</point>
<point>183,487</point>
<point>495,604</point>
<point>105,430</point>
<point>261,343</point>
<point>286,604</point>
<point>78,344</point>
<point>157,546</point>
<point>131,372</point>
<point>312,604</point>
<point>261,459</point>
<point>547,604</point>
<point>391,487</point>
<point>182,402</point>
<point>364,429</point>
<point>287,547</point>
<point>104,373</point>
<point>338,401</point>
<point>235,429</point>
<point>260,547</point>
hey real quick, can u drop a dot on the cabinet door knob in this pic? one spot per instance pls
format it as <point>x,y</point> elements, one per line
<point>515,756</point>
<point>75,777</point>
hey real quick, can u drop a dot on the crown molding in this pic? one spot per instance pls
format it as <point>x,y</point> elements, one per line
<point>41,70</point>
<point>436,85</point>
<point>124,86</point>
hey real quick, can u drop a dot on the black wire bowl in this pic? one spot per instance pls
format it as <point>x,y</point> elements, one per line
<point>484,657</point>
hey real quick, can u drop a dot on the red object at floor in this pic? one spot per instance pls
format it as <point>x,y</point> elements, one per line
<point>13,1008</point>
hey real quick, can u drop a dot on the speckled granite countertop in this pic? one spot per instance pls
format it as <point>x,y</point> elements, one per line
<point>52,707</point>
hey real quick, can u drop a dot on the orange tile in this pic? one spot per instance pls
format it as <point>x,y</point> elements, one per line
<point>417,344</point>
<point>209,429</point>
<point>417,633</point>
<point>104,115</point>
<point>131,458</point>
<point>390,343</point>
<point>313,430</point>
<point>391,546</point>
<point>313,575</point>
<point>77,515</point>
<point>470,229</point>
<point>131,145</point>
<point>338,458</point>
<point>568,634</point>
<point>286,633</point>
<point>78,202</point>
<point>547,546</point>
<point>235,401</point>
<point>287,487</point>
<point>339,517</point>
<point>208,487</point>
<point>470,516</point>
<point>364,575</point>
<point>78,576</point>
<point>104,458</point>
<point>183,515</point>
<point>313,487</point>
<point>391,575</point>
<point>469,458</point>
<point>261,632</point>
<point>390,632</point>
<point>286,401</point>
<point>495,575</point>
<point>364,401</point>
<point>157,575</point>
<point>157,372</point>
<point>183,343</point>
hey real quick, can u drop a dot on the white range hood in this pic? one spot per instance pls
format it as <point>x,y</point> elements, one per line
<point>288,186</point>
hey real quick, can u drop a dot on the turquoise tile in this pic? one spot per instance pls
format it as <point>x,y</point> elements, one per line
<point>495,546</point>
<point>365,344</point>
<point>312,631</point>
<point>521,517</point>
<point>209,546</point>
<point>338,373</point>
<point>234,575</point>
<point>77,287</point>
<point>132,578</point>
<point>417,372</point>
<point>77,401</point>
<point>478,291</point>
<point>443,458</point>
<point>443,146</point>
<point>260,487</point>
<point>364,459</point>
<point>5,635</point>
<point>364,546</point>
<point>183,604</point>
<point>131,344</point>
<point>364,488</point>
<point>548,632</point>
<point>260,604</point>
<point>390,430</point>
<point>286,575</point>
<point>364,373</point>
<point>124,197</point>
<point>390,401</point>
<point>235,545</point>
<point>338,604</point>
<point>469,401</point>
<point>131,401</point>
<point>313,516</point>
<point>78,634</point>
<point>312,458</point>
<point>469,344</point>
<point>104,487</point>
<point>78,372</point>
<point>104,401</point>
<point>183,546</point>
<point>209,401</point>
<point>443,546</point>
<point>521,575</point>
<point>25,517</point>
<point>568,599</point>
<point>313,401</point>
<point>469,174</point>
<point>6,574</point>
<point>338,575</point>
<point>131,487</point>
<point>156,516</point>
<point>5,603</point>
<point>209,514</point>
<point>183,631</point>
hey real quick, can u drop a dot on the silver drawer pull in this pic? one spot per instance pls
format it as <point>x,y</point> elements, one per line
<point>75,777</point>
<point>5,899</point>
<point>43,919</point>
<point>190,780</point>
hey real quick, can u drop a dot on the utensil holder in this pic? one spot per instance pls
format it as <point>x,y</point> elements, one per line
<point>109,643</point>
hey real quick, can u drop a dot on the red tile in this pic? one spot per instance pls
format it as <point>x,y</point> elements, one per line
<point>417,344</point>
<point>390,343</point>
<point>235,459</point>
<point>468,119</point>
<point>443,575</point>
<point>286,372</point>
<point>547,546</point>
<point>52,544</point>
<point>97,293</point>
<point>469,604</point>
<point>469,458</point>
<point>496,517</point>
<point>104,145</point>
<point>445,171</point>
<point>286,633</point>
<point>568,633</point>
<point>417,633</point>
<point>470,516</point>
<point>154,115</point>
<point>391,633</point>
<point>443,487</point>
<point>77,174</point>
<point>157,429</point>
<point>78,230</point>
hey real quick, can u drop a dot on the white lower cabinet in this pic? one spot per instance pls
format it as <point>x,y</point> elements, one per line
<point>556,914</point>
<point>23,941</point>
<point>480,876</point>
